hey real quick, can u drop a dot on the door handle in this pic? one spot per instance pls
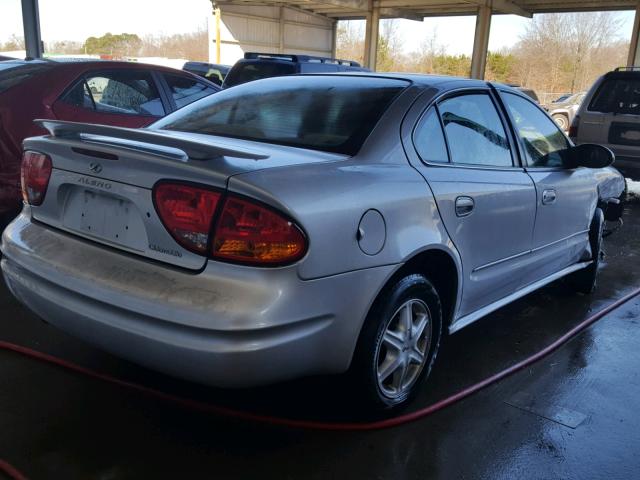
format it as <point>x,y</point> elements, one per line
<point>548,197</point>
<point>464,206</point>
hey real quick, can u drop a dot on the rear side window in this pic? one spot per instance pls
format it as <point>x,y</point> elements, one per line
<point>122,92</point>
<point>185,90</point>
<point>617,95</point>
<point>542,139</point>
<point>474,131</point>
<point>334,114</point>
<point>429,139</point>
<point>13,73</point>
<point>243,72</point>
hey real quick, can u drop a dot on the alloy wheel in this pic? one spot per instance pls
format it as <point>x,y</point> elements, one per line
<point>403,348</point>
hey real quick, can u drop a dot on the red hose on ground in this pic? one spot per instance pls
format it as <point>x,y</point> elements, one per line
<point>317,425</point>
<point>10,471</point>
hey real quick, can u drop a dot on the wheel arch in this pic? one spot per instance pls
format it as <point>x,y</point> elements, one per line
<point>442,267</point>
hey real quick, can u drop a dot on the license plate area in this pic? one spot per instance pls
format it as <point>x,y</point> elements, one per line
<point>110,218</point>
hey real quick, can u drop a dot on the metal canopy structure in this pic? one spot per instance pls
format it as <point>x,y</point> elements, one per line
<point>372,11</point>
<point>418,9</point>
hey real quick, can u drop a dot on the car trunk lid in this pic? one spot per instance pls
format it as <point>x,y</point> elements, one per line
<point>101,186</point>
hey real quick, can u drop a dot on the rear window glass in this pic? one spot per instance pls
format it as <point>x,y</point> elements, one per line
<point>13,73</point>
<point>617,95</point>
<point>243,72</point>
<point>334,114</point>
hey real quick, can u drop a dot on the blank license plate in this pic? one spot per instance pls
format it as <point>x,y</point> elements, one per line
<point>105,216</point>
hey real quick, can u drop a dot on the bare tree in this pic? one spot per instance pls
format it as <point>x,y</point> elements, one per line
<point>350,41</point>
<point>565,52</point>
<point>14,43</point>
<point>556,52</point>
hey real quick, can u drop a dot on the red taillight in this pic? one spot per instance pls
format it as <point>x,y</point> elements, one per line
<point>34,176</point>
<point>250,233</point>
<point>573,128</point>
<point>245,231</point>
<point>187,212</point>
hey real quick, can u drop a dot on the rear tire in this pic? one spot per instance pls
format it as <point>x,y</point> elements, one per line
<point>584,281</point>
<point>398,343</point>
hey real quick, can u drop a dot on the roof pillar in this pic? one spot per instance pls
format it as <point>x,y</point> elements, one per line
<point>481,42</point>
<point>31,26</point>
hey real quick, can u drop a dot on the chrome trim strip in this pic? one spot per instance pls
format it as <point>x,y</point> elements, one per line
<point>502,260</point>
<point>537,249</point>
<point>521,254</point>
<point>472,317</point>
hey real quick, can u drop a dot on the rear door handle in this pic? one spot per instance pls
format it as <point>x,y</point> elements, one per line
<point>464,206</point>
<point>548,197</point>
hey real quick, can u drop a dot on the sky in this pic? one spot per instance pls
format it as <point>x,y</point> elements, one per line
<point>79,19</point>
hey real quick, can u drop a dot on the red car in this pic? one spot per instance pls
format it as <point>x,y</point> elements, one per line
<point>113,93</point>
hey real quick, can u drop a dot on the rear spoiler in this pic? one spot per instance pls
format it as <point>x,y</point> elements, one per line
<point>131,138</point>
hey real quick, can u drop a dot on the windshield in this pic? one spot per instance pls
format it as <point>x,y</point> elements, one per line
<point>617,95</point>
<point>248,71</point>
<point>12,73</point>
<point>331,113</point>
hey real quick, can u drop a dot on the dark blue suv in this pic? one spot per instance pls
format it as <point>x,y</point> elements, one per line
<point>255,66</point>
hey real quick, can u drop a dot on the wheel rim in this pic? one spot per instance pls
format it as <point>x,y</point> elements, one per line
<point>403,349</point>
<point>561,121</point>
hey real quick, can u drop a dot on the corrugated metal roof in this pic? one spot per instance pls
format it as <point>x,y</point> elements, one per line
<point>417,9</point>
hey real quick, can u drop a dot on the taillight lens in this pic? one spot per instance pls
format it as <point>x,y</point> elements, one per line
<point>34,176</point>
<point>250,233</point>
<point>187,212</point>
<point>245,231</point>
<point>573,128</point>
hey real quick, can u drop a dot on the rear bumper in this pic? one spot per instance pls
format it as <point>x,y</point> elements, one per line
<point>227,326</point>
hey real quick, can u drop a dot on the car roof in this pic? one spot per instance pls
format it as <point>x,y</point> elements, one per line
<point>421,79</point>
<point>84,63</point>
<point>622,74</point>
<point>70,67</point>
<point>206,64</point>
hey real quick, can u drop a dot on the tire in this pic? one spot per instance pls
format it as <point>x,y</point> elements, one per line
<point>584,281</point>
<point>384,343</point>
<point>562,121</point>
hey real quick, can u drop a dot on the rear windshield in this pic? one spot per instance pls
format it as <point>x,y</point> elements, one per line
<point>617,95</point>
<point>243,72</point>
<point>13,73</point>
<point>329,113</point>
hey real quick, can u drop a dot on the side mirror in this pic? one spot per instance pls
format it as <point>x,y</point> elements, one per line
<point>589,155</point>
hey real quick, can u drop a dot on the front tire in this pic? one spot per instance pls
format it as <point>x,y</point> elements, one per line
<point>584,281</point>
<point>398,343</point>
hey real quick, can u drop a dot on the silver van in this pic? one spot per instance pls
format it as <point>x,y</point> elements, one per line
<point>610,116</point>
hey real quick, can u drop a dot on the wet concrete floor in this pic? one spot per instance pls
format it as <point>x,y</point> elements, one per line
<point>573,415</point>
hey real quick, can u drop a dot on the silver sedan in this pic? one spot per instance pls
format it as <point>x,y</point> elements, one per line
<point>305,225</point>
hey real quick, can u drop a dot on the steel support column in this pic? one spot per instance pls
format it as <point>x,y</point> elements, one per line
<point>634,48</point>
<point>281,31</point>
<point>334,39</point>
<point>31,25</point>
<point>371,38</point>
<point>481,42</point>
